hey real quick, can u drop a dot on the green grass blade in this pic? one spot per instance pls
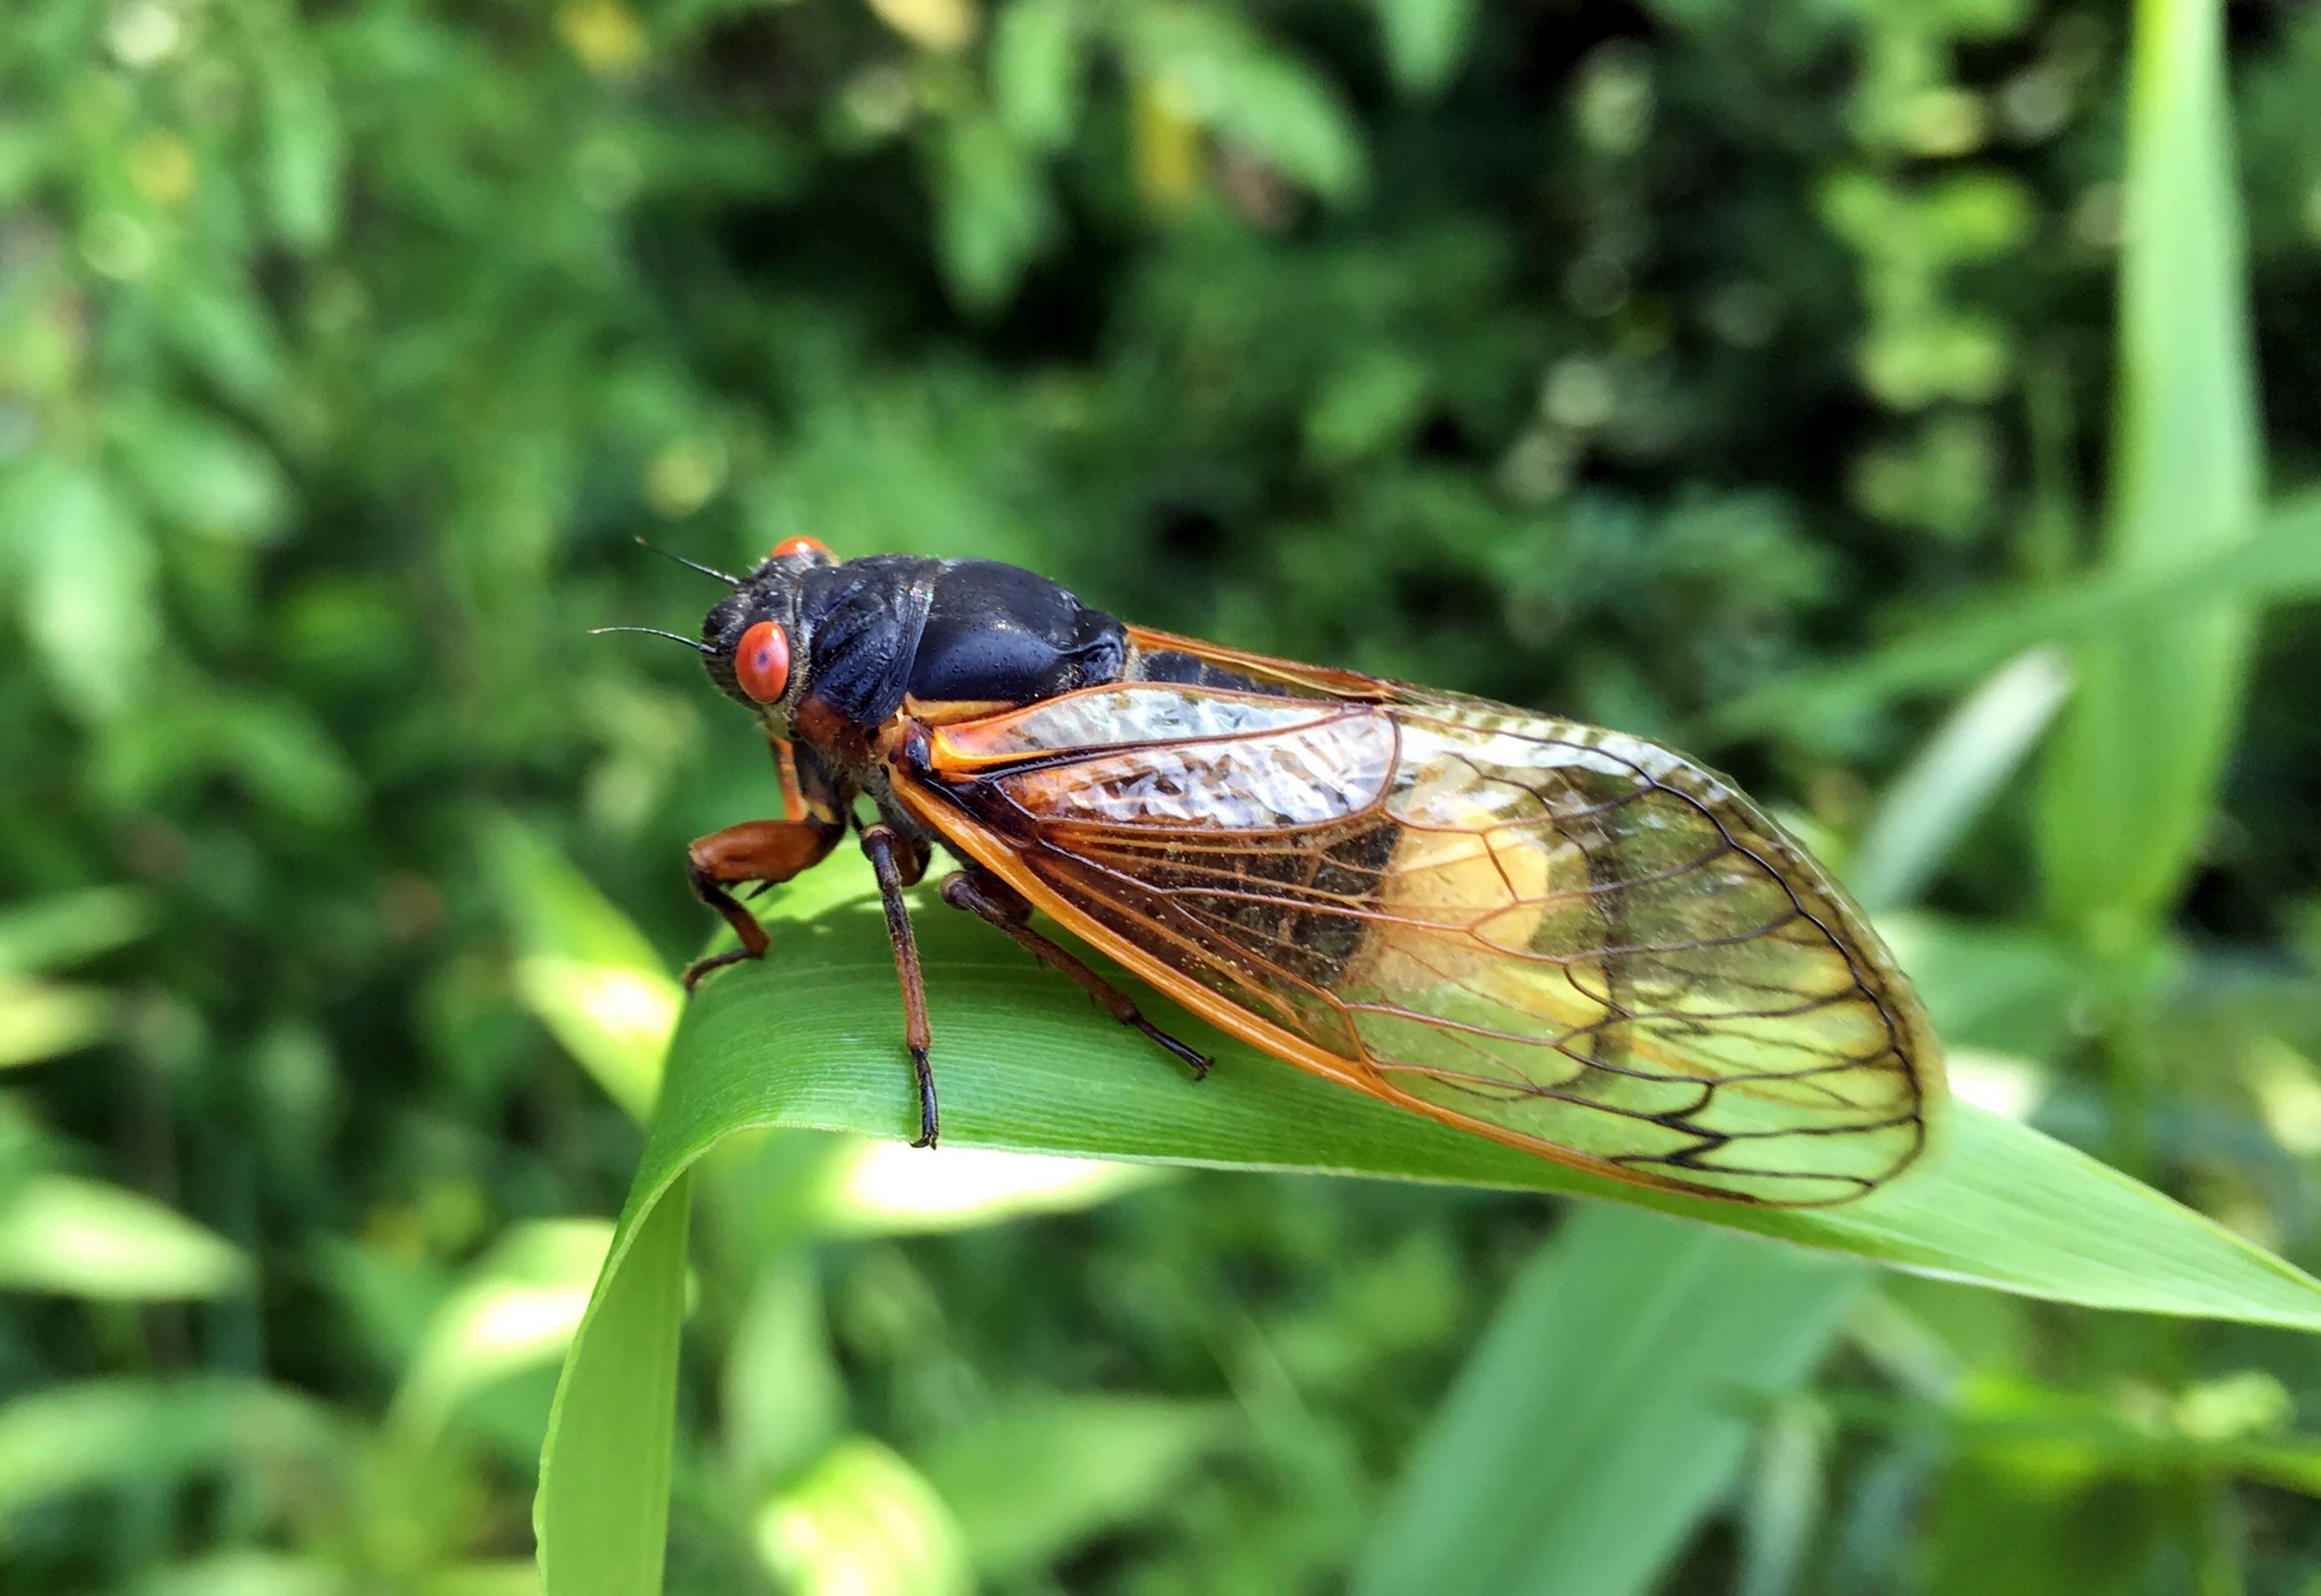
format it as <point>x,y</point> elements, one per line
<point>591,976</point>
<point>1952,779</point>
<point>862,1522</point>
<point>811,1038</point>
<point>2122,818</point>
<point>82,1238</point>
<point>517,1309</point>
<point>601,1514</point>
<point>1606,1411</point>
<point>2275,557</point>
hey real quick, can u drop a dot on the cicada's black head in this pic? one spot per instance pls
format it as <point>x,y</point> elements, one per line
<point>805,625</point>
<point>756,643</point>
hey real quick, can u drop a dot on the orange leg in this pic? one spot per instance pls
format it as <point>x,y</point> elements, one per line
<point>768,850</point>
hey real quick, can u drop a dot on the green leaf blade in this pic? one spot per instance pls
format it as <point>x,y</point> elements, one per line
<point>82,1238</point>
<point>812,1038</point>
<point>1608,1407</point>
<point>601,1514</point>
<point>2121,827</point>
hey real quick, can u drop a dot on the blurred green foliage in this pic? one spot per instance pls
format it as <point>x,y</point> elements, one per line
<point>1622,358</point>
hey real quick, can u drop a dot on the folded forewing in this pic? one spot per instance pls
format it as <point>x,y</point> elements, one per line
<point>1567,937</point>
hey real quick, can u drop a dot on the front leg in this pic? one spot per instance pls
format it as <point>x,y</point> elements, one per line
<point>900,861</point>
<point>768,850</point>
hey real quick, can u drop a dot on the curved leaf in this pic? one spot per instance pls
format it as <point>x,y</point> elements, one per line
<point>811,1038</point>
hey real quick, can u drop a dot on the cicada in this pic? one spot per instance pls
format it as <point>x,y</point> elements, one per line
<point>1565,939</point>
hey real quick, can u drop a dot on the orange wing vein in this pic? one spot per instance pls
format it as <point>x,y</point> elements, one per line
<point>1564,938</point>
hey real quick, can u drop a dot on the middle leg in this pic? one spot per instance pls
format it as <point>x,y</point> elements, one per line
<point>989,899</point>
<point>899,860</point>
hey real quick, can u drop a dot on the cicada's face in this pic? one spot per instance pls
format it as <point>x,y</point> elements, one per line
<point>755,647</point>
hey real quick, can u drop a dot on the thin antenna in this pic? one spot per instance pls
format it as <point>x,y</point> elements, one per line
<point>690,564</point>
<point>694,643</point>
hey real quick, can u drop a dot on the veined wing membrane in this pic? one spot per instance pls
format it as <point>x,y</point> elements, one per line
<point>1562,937</point>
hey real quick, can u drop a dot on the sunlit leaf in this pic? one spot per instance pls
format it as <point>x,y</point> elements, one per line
<point>306,153</point>
<point>83,573</point>
<point>2002,1084</point>
<point>940,25</point>
<point>40,1019</point>
<point>82,1238</point>
<point>588,973</point>
<point>517,1309</point>
<point>1938,795</point>
<point>882,1188</point>
<point>863,1522</point>
<point>59,931</point>
<point>508,1576</point>
<point>246,1573</point>
<point>1210,66</point>
<point>1039,61</point>
<point>615,1020</point>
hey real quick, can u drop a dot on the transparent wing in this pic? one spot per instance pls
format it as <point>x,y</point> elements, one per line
<point>1562,937</point>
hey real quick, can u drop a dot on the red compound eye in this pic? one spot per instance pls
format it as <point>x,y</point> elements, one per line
<point>762,662</point>
<point>789,546</point>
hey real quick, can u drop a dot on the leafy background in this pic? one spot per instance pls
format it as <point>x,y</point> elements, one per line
<point>1759,375</point>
